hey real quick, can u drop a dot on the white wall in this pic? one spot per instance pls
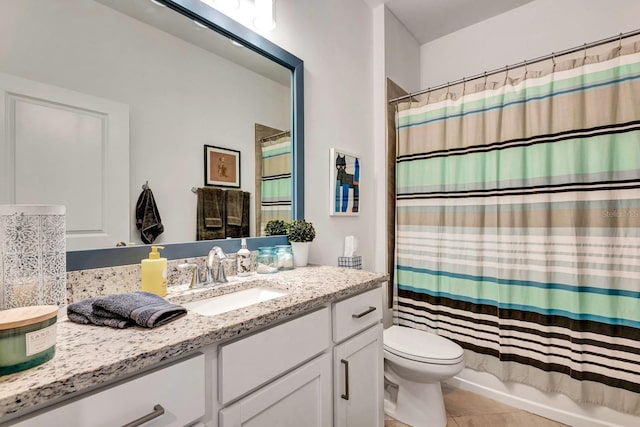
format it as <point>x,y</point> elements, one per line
<point>402,54</point>
<point>181,96</point>
<point>334,39</point>
<point>533,30</point>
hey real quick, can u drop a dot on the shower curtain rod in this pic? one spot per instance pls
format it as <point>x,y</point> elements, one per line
<point>553,55</point>
<point>275,135</point>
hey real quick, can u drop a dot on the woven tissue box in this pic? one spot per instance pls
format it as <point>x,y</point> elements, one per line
<point>354,262</point>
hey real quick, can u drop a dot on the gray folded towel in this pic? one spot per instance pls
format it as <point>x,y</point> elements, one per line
<point>82,312</point>
<point>144,308</point>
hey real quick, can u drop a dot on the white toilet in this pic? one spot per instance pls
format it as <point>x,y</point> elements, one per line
<point>414,364</point>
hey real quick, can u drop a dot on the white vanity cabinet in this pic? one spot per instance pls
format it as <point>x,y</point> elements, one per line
<point>358,361</point>
<point>172,396</point>
<point>297,373</point>
<point>322,368</point>
<point>301,397</point>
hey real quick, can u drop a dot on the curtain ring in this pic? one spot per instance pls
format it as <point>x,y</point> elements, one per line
<point>526,71</point>
<point>553,59</point>
<point>584,58</point>
<point>506,74</point>
<point>464,86</point>
<point>446,95</point>
<point>619,44</point>
<point>485,80</point>
<point>428,95</point>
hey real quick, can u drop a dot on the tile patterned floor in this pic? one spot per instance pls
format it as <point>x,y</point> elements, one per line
<point>466,409</point>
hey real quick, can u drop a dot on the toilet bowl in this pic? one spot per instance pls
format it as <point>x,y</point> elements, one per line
<point>414,364</point>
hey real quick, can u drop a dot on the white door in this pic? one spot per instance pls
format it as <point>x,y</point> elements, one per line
<point>358,370</point>
<point>63,147</point>
<point>300,398</point>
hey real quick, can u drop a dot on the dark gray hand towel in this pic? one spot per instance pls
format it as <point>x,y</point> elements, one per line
<point>144,308</point>
<point>147,217</point>
<point>210,209</point>
<point>82,312</point>
<point>234,207</point>
<point>212,201</point>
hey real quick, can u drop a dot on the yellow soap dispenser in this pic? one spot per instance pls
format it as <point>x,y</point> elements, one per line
<point>154,273</point>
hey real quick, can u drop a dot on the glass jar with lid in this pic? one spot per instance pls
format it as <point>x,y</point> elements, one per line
<point>285,257</point>
<point>267,260</point>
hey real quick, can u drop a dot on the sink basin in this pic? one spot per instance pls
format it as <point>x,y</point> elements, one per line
<point>233,300</point>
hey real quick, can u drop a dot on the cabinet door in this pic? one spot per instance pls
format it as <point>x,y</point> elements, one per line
<point>301,398</point>
<point>358,380</point>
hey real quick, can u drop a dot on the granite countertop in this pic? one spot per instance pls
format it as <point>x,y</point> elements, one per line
<point>88,356</point>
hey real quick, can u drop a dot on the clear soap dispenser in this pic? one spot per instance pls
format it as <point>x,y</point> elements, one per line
<point>154,273</point>
<point>243,259</point>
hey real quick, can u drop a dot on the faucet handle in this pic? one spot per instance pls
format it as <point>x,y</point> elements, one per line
<point>195,277</point>
<point>215,265</point>
<point>221,276</point>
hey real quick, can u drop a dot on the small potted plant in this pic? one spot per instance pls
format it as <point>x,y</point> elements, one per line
<point>275,227</point>
<point>301,233</point>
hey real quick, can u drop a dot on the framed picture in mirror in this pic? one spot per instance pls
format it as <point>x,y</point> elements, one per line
<point>221,167</point>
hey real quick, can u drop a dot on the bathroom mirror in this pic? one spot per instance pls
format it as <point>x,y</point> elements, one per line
<point>56,43</point>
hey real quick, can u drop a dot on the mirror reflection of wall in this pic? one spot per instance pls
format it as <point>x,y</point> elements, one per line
<point>180,95</point>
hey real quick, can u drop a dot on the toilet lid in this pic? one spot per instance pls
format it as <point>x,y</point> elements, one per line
<point>420,345</point>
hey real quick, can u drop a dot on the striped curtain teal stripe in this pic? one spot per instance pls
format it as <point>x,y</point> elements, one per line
<point>518,226</point>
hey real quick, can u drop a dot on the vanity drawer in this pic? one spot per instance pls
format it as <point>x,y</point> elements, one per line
<point>355,314</point>
<point>252,361</point>
<point>178,389</point>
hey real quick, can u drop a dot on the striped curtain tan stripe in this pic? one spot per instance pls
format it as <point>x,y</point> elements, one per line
<point>518,228</point>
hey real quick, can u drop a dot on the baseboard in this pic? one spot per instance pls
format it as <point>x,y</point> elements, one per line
<point>553,406</point>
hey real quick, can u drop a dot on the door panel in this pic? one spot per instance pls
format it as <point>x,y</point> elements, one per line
<point>66,148</point>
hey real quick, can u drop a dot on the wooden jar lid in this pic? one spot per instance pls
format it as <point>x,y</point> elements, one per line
<point>24,316</point>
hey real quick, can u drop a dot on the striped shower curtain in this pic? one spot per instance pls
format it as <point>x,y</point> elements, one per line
<point>276,180</point>
<point>518,227</point>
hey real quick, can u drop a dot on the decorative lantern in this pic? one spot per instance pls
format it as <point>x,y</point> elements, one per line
<point>32,256</point>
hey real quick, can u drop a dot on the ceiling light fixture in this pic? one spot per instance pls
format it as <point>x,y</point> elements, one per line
<point>265,18</point>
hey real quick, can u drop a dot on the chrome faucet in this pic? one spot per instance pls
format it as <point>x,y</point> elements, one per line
<point>215,266</point>
<point>196,279</point>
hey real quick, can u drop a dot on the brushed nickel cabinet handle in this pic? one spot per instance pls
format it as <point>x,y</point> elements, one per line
<point>364,313</point>
<point>158,411</point>
<point>345,396</point>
